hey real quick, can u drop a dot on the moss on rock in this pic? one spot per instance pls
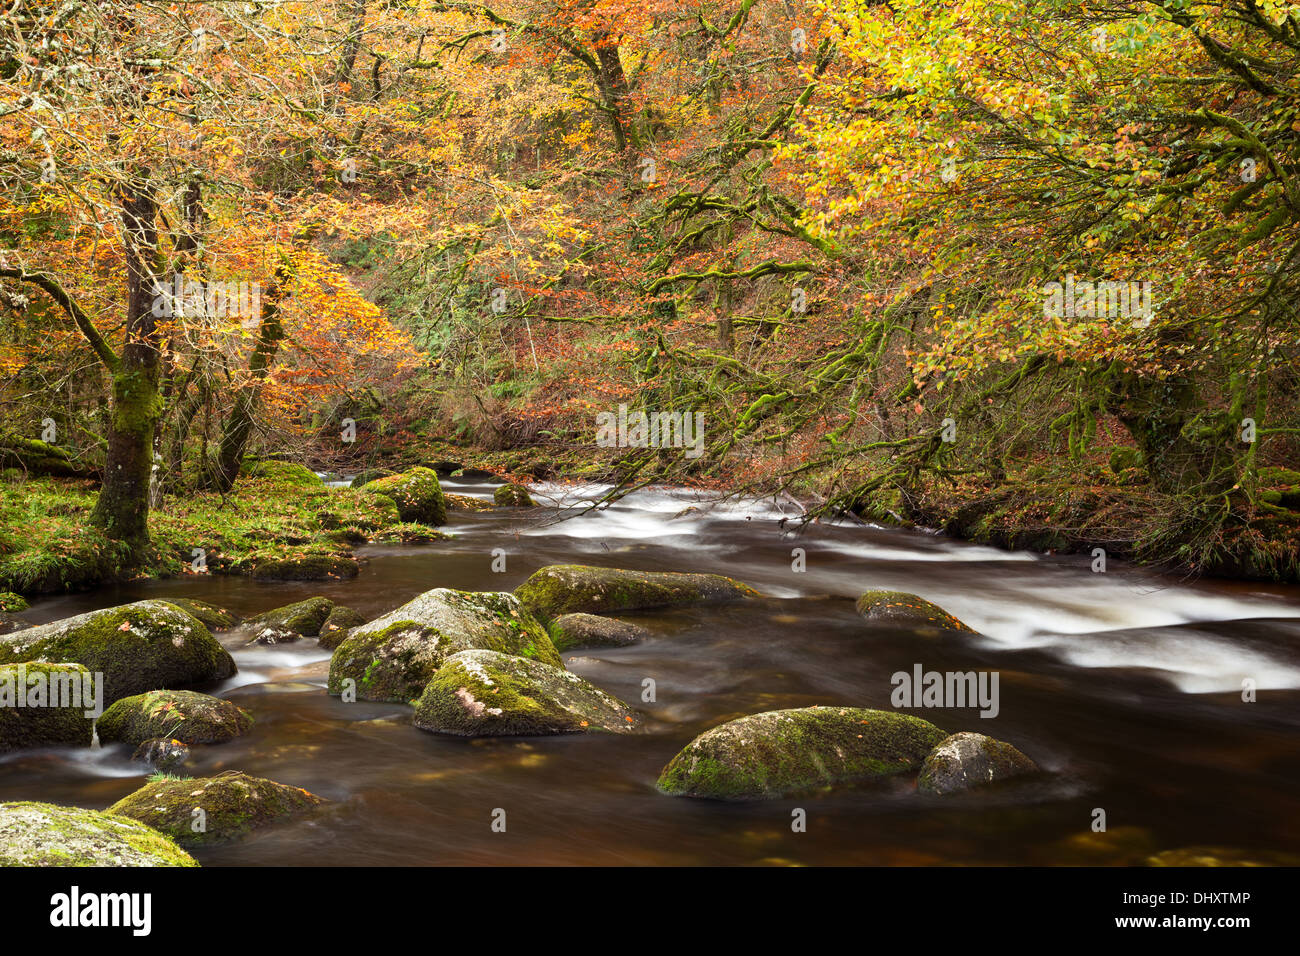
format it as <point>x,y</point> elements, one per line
<point>967,760</point>
<point>137,647</point>
<point>566,588</point>
<point>789,751</point>
<point>181,714</point>
<point>280,472</point>
<point>41,722</point>
<point>214,618</point>
<point>233,804</point>
<point>417,494</point>
<point>591,630</point>
<point>337,626</point>
<point>907,610</point>
<point>481,693</point>
<point>307,566</point>
<point>513,496</point>
<point>393,657</point>
<point>43,834</point>
<point>12,603</point>
<point>288,623</point>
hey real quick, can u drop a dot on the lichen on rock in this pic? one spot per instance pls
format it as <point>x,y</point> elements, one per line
<point>485,693</point>
<point>968,760</point>
<point>43,834</point>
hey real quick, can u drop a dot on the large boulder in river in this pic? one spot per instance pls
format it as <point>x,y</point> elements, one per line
<point>565,588</point>
<point>789,751</point>
<point>233,805</point>
<point>417,494</point>
<point>393,657</point>
<point>967,760</point>
<point>288,623</point>
<point>177,714</point>
<point>486,694</point>
<point>137,647</point>
<point>42,834</point>
<point>907,610</point>
<point>45,705</point>
<point>592,630</point>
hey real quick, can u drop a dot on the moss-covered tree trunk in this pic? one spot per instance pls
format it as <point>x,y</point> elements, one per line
<point>122,510</point>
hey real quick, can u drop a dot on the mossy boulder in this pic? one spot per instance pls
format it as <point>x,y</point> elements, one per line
<point>513,496</point>
<point>288,623</point>
<point>466,503</point>
<point>233,804</point>
<point>393,657</point>
<point>12,603</point>
<point>486,694</point>
<point>968,760</point>
<point>791,751</point>
<point>138,647</point>
<point>181,714</point>
<point>43,834</point>
<point>281,472</point>
<point>42,721</point>
<point>163,754</point>
<point>340,622</point>
<point>417,494</point>
<point>1124,457</point>
<point>313,566</point>
<point>214,618</point>
<point>567,588</point>
<point>907,610</point>
<point>591,630</point>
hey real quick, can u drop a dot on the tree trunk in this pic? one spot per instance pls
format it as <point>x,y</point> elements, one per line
<point>122,510</point>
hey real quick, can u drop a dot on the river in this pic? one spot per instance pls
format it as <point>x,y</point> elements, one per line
<point>1124,685</point>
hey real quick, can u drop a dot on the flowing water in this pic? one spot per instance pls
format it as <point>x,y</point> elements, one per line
<point>1125,685</point>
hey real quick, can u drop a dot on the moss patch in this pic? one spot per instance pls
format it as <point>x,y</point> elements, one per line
<point>300,619</point>
<point>790,751</point>
<point>234,804</point>
<point>45,725</point>
<point>214,618</point>
<point>565,588</point>
<point>137,647</point>
<point>180,714</point>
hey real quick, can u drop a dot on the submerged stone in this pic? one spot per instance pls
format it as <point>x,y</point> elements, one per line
<point>233,805</point>
<point>907,610</point>
<point>788,751</point>
<point>483,693</point>
<point>967,760</point>
<point>137,647</point>
<point>181,714</point>
<point>566,588</point>
<point>393,657</point>
<point>591,630</point>
<point>43,834</point>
